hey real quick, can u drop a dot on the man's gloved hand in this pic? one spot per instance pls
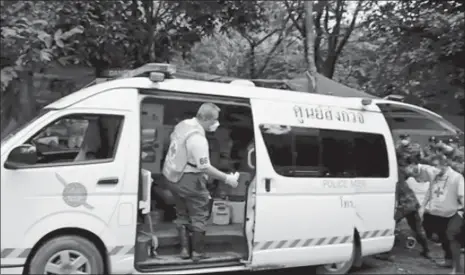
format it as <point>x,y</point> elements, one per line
<point>232,180</point>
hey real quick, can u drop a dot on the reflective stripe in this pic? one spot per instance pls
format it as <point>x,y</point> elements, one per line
<point>21,253</point>
<point>297,243</point>
<point>121,250</point>
<point>377,233</point>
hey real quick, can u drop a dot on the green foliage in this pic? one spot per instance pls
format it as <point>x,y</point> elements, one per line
<point>413,47</point>
<point>420,45</point>
<point>29,38</point>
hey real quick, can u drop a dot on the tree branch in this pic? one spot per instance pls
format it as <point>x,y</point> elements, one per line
<point>319,32</point>
<point>337,27</point>
<point>157,12</point>
<point>295,22</point>
<point>326,21</point>
<point>266,37</point>
<point>282,35</point>
<point>349,30</point>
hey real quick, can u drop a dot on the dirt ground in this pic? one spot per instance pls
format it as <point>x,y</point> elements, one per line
<point>405,262</point>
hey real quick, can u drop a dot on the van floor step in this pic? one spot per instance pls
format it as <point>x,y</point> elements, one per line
<point>176,260</point>
<point>214,249</point>
<point>166,230</point>
<point>213,240</point>
<point>167,233</point>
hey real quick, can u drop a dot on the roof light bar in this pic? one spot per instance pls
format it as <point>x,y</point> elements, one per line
<point>242,82</point>
<point>395,97</point>
<point>167,69</point>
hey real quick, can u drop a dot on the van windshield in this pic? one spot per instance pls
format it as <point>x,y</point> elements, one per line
<point>8,133</point>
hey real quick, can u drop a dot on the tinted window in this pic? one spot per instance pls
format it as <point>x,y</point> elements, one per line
<point>293,151</point>
<point>370,159</point>
<point>78,138</point>
<point>405,118</point>
<point>307,148</point>
<point>336,157</point>
<point>416,123</point>
<point>307,152</point>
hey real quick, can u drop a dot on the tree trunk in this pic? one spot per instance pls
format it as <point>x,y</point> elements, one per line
<point>329,65</point>
<point>26,98</point>
<point>309,45</point>
<point>252,62</point>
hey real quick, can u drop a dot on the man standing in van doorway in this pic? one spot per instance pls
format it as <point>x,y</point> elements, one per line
<point>443,208</point>
<point>186,164</point>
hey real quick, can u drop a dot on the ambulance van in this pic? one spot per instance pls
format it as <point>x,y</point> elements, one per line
<point>318,176</point>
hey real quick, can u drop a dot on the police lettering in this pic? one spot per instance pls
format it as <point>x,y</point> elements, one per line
<point>336,184</point>
<point>328,114</point>
<point>344,183</point>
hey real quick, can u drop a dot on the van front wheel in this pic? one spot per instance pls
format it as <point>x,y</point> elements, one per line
<point>338,268</point>
<point>67,255</point>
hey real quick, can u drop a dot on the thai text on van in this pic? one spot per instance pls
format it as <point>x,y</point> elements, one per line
<point>328,114</point>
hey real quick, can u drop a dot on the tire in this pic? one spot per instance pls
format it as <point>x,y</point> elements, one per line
<point>342,268</point>
<point>79,250</point>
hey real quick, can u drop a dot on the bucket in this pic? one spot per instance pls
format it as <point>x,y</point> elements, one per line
<point>221,213</point>
<point>410,243</point>
<point>143,248</point>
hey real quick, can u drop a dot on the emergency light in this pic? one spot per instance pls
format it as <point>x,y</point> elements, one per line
<point>242,82</point>
<point>366,101</point>
<point>155,71</point>
<point>399,98</point>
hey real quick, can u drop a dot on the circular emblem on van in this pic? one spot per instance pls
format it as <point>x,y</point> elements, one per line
<point>74,194</point>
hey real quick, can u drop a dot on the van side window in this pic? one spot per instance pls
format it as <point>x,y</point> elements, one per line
<point>370,158</point>
<point>280,147</point>
<point>294,151</point>
<point>308,152</point>
<point>78,138</point>
<point>336,157</point>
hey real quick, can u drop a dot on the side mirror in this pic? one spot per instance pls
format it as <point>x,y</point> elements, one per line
<point>20,156</point>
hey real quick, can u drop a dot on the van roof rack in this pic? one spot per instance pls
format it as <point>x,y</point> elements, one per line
<point>155,71</point>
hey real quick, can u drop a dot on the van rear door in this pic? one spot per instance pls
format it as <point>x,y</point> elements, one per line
<point>299,220</point>
<point>419,124</point>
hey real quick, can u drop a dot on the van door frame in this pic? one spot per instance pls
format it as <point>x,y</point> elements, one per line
<point>248,217</point>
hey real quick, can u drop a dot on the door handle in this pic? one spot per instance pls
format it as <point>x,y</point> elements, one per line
<point>267,184</point>
<point>108,181</point>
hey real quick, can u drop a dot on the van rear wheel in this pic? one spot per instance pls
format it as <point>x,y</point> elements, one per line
<point>67,255</point>
<point>338,268</point>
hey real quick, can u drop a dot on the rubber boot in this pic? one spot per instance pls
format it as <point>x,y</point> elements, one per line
<point>184,241</point>
<point>425,253</point>
<point>444,264</point>
<point>198,246</point>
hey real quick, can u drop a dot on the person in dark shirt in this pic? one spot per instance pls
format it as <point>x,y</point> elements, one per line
<point>407,207</point>
<point>406,148</point>
<point>430,150</point>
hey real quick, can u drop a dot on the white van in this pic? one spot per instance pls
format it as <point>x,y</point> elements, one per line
<point>316,189</point>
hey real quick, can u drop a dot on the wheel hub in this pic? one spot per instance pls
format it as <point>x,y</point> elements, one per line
<point>68,262</point>
<point>335,266</point>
